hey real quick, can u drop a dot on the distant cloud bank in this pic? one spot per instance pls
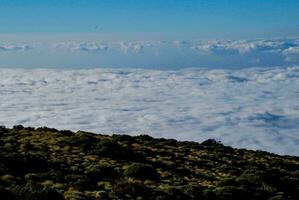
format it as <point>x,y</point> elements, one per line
<point>285,46</point>
<point>12,47</point>
<point>162,54</point>
<point>253,108</point>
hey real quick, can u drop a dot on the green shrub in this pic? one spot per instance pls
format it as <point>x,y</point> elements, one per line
<point>29,128</point>
<point>277,197</point>
<point>83,140</point>
<point>230,193</point>
<point>142,172</point>
<point>169,142</point>
<point>146,138</point>
<point>175,193</point>
<point>98,173</point>
<point>112,149</point>
<point>249,177</point>
<point>34,192</point>
<point>123,138</point>
<point>3,129</point>
<point>80,182</point>
<point>75,195</point>
<point>209,194</point>
<point>8,179</point>
<point>46,129</point>
<point>108,148</point>
<point>101,195</point>
<point>56,176</point>
<point>3,169</point>
<point>66,132</point>
<point>211,142</point>
<point>133,189</point>
<point>22,164</point>
<point>193,191</point>
<point>18,127</point>
<point>6,194</point>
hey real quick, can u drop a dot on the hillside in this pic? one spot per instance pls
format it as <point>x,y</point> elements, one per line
<point>49,164</point>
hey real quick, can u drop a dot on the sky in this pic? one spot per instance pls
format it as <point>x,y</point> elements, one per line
<point>229,17</point>
<point>37,23</point>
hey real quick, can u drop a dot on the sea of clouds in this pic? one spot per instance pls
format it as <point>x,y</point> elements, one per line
<point>166,54</point>
<point>255,108</point>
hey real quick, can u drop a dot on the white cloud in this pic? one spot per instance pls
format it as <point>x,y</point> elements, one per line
<point>212,46</point>
<point>248,108</point>
<point>12,47</point>
<point>83,46</point>
<point>135,47</point>
<point>148,54</point>
<point>245,46</point>
<point>284,47</point>
<point>292,54</point>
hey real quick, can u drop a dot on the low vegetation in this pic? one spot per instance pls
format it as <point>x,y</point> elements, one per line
<point>48,164</point>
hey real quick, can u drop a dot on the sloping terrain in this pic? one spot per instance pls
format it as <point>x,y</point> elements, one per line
<point>49,164</point>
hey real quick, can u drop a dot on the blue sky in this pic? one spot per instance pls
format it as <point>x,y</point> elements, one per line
<point>232,18</point>
<point>25,26</point>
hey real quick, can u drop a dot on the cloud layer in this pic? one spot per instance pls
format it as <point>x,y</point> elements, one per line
<point>13,47</point>
<point>69,53</point>
<point>253,108</point>
<point>285,46</point>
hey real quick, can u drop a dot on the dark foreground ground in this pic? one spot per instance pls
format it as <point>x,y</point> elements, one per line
<point>47,164</point>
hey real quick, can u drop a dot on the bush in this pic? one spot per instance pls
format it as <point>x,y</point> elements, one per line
<point>112,149</point>
<point>132,188</point>
<point>228,182</point>
<point>66,132</point>
<point>249,177</point>
<point>146,138</point>
<point>277,197</point>
<point>79,182</point>
<point>3,169</point>
<point>209,194</point>
<point>108,148</point>
<point>46,129</point>
<point>193,191</point>
<point>34,192</point>
<point>211,142</point>
<point>169,142</point>
<point>22,164</point>
<point>123,138</point>
<point>75,195</point>
<point>3,129</point>
<point>230,193</point>
<point>142,172</point>
<point>99,173</point>
<point>53,175</point>
<point>18,127</point>
<point>174,193</point>
<point>83,140</point>
<point>29,128</point>
<point>6,194</point>
<point>8,179</point>
<point>101,195</point>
